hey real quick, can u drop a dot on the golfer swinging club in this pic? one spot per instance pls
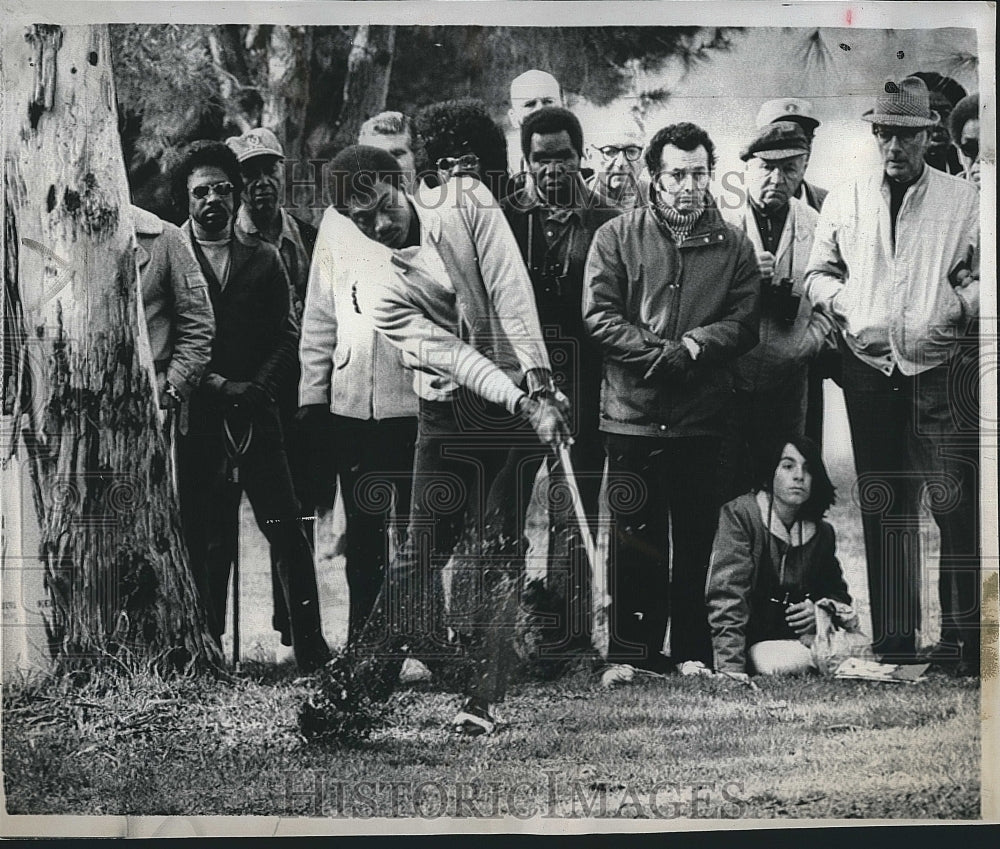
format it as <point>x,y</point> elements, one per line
<point>447,287</point>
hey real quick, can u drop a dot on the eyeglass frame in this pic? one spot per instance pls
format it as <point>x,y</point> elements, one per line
<point>465,160</point>
<point>620,149</point>
<point>904,134</point>
<point>203,191</point>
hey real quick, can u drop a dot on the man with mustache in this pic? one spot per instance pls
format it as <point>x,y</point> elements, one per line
<point>262,218</point>
<point>234,442</point>
<point>670,296</point>
<point>895,263</point>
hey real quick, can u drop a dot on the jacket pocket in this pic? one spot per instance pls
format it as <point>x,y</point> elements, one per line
<point>341,356</point>
<point>195,280</point>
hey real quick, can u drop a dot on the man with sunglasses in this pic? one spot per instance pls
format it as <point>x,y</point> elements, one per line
<point>460,138</point>
<point>261,217</point>
<point>554,217</point>
<point>234,442</point>
<point>617,175</point>
<point>964,123</point>
<point>895,263</point>
<point>670,297</point>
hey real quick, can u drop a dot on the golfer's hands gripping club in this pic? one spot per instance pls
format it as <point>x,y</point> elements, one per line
<point>547,418</point>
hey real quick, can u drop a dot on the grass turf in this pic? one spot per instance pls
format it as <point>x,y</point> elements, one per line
<point>661,748</point>
<point>671,748</point>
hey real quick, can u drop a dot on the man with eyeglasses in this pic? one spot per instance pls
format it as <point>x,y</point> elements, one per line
<point>446,286</point>
<point>234,442</point>
<point>554,217</point>
<point>261,217</point>
<point>617,175</point>
<point>895,263</point>
<point>671,297</point>
<point>770,395</point>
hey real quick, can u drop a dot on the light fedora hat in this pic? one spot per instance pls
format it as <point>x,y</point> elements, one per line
<point>903,104</point>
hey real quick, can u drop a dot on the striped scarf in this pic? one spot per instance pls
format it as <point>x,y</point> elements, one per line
<point>680,224</point>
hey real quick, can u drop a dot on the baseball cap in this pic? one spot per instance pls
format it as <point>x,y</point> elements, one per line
<point>258,142</point>
<point>788,109</point>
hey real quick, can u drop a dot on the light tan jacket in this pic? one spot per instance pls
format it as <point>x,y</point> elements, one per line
<point>179,316</point>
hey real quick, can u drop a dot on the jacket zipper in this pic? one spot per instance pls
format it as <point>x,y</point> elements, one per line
<point>673,290</point>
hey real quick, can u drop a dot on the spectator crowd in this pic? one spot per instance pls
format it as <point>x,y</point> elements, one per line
<point>452,329</point>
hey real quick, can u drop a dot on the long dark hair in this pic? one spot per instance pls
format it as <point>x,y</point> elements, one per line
<point>822,493</point>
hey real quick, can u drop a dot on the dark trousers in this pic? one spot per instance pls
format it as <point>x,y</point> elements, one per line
<point>826,364</point>
<point>375,463</point>
<point>468,453</point>
<point>759,416</point>
<point>660,490</point>
<point>908,433</point>
<point>314,481</point>
<point>212,502</point>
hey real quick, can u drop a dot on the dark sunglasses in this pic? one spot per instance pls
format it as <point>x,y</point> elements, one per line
<point>223,190</point>
<point>450,163</point>
<point>970,147</point>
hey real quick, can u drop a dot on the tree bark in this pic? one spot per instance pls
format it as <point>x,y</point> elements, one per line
<point>369,69</point>
<point>287,96</point>
<point>235,84</point>
<point>87,424</point>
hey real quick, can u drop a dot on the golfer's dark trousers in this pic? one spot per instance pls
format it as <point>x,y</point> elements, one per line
<point>375,463</point>
<point>472,481</point>
<point>909,433</point>
<point>212,518</point>
<point>658,490</point>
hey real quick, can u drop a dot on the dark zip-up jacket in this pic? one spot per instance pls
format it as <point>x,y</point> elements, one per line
<point>256,337</point>
<point>642,289</point>
<point>743,575</point>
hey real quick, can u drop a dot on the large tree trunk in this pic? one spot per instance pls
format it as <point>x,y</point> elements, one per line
<point>86,418</point>
<point>287,93</point>
<point>235,84</point>
<point>369,68</point>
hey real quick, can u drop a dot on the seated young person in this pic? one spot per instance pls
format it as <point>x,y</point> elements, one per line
<point>773,559</point>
